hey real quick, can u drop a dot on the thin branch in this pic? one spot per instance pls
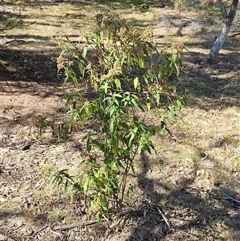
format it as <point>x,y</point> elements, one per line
<point>234,35</point>
<point>17,21</point>
<point>222,8</point>
<point>231,199</point>
<point>39,230</point>
<point>75,225</point>
<point>163,216</point>
<point>13,23</point>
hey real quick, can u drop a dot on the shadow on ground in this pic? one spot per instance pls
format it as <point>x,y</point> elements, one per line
<point>184,211</point>
<point>215,85</point>
<point>23,65</point>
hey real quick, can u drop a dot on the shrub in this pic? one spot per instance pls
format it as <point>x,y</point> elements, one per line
<point>124,75</point>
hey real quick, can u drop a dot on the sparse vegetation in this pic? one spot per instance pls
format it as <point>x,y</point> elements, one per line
<point>59,215</point>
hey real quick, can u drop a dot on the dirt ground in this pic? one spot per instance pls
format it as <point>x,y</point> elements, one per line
<point>188,190</point>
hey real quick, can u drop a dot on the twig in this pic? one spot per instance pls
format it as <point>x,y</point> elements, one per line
<point>39,230</point>
<point>75,225</point>
<point>7,117</point>
<point>232,199</point>
<point>234,35</point>
<point>15,40</point>
<point>163,216</point>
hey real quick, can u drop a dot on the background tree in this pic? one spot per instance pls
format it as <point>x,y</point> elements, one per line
<point>228,20</point>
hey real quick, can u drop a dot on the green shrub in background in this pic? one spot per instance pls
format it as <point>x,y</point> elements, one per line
<point>126,75</point>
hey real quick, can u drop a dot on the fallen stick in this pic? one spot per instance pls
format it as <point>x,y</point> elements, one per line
<point>75,225</point>
<point>231,199</point>
<point>164,217</point>
<point>39,230</point>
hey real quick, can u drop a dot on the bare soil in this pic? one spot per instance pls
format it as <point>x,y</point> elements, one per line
<point>188,190</point>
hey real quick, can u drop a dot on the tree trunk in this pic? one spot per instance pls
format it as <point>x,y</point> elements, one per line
<point>217,45</point>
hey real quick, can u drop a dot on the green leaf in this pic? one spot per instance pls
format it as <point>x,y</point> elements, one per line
<point>173,58</point>
<point>112,111</point>
<point>81,69</point>
<point>132,136</point>
<point>85,50</point>
<point>73,76</point>
<point>114,142</point>
<point>105,86</point>
<point>112,125</point>
<point>123,61</point>
<point>64,49</point>
<point>99,144</point>
<point>148,100</point>
<point>146,78</point>
<point>118,84</point>
<point>157,98</point>
<point>135,101</point>
<point>136,83</point>
<point>179,104</point>
<point>164,128</point>
<point>141,62</point>
<point>89,144</point>
<point>99,217</point>
<point>87,184</point>
<point>60,176</point>
<point>97,40</point>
